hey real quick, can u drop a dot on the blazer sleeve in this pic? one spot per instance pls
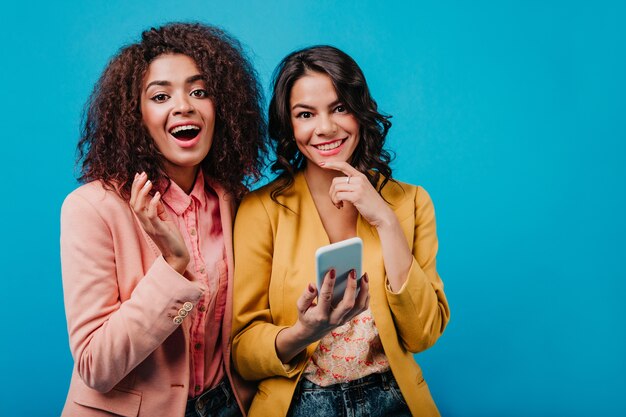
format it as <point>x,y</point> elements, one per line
<point>254,333</point>
<point>420,309</point>
<point>109,338</point>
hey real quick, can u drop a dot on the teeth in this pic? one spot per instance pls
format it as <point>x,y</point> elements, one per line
<point>185,127</point>
<point>329,146</point>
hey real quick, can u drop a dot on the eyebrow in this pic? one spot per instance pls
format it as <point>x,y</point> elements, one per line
<point>189,80</point>
<point>307,107</point>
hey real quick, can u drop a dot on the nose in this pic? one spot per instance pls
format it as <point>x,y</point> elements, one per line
<point>325,126</point>
<point>183,105</point>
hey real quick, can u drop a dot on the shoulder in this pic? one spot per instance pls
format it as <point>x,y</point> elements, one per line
<point>288,199</point>
<point>400,195</point>
<point>93,196</point>
<point>257,198</point>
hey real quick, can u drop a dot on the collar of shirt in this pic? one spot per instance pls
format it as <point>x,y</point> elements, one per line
<point>179,201</point>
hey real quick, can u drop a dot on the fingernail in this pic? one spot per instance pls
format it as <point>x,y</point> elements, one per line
<point>147,183</point>
<point>332,273</point>
<point>366,278</point>
<point>311,289</point>
<point>353,274</point>
<point>322,164</point>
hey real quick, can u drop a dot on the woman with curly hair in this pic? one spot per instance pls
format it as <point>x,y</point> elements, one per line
<point>354,358</point>
<point>172,134</point>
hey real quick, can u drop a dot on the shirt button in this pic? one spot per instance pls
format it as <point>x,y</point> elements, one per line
<point>187,306</point>
<point>178,320</point>
<point>202,308</point>
<point>198,346</point>
<point>202,270</point>
<point>198,388</point>
<point>182,312</point>
<point>192,232</point>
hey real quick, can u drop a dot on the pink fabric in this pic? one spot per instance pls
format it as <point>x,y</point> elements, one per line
<point>131,358</point>
<point>349,352</point>
<point>200,211</point>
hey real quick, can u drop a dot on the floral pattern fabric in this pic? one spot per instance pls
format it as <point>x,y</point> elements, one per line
<point>349,352</point>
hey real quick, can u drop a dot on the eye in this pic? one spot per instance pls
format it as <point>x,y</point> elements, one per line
<point>159,98</point>
<point>199,93</point>
<point>341,109</point>
<point>304,115</point>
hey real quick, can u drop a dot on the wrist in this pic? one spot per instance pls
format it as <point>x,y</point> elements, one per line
<point>303,334</point>
<point>386,221</point>
<point>177,263</point>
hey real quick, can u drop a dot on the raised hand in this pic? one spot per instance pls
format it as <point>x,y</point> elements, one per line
<point>355,188</point>
<point>154,220</point>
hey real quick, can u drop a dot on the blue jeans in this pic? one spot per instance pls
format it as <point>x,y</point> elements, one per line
<point>219,401</point>
<point>371,396</point>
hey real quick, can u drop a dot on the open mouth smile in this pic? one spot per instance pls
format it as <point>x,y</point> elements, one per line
<point>329,146</point>
<point>185,132</point>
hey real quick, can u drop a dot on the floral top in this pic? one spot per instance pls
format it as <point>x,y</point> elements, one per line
<point>349,352</point>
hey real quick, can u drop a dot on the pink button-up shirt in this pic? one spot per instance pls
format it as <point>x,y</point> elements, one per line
<point>198,219</point>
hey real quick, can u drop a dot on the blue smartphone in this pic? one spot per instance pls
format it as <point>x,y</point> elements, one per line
<point>343,256</point>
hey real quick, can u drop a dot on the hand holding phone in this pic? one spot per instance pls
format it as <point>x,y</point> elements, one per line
<point>343,256</point>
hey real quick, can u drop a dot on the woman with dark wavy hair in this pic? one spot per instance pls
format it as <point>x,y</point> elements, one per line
<point>334,182</point>
<point>172,134</point>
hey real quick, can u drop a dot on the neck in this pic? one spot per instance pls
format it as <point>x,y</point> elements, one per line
<point>184,177</point>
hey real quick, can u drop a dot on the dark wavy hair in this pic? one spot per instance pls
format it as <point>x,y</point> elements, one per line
<point>369,157</point>
<point>114,143</point>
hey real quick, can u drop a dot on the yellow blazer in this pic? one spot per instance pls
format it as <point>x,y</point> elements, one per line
<point>274,262</point>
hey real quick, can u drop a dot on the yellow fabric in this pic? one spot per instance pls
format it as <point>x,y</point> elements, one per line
<point>274,262</point>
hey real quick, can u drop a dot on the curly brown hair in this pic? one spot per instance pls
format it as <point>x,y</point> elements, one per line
<point>114,143</point>
<point>370,157</point>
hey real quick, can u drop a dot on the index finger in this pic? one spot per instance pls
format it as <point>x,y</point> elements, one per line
<point>138,182</point>
<point>344,167</point>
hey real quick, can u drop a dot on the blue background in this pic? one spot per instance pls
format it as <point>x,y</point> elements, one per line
<point>511,114</point>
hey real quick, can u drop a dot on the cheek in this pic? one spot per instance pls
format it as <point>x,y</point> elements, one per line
<point>147,118</point>
<point>152,116</point>
<point>207,110</point>
<point>352,125</point>
<point>302,132</point>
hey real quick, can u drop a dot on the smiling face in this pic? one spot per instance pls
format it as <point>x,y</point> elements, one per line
<point>323,128</point>
<point>178,114</point>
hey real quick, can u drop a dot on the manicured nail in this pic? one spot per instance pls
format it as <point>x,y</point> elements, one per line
<point>353,274</point>
<point>332,273</point>
<point>147,183</point>
<point>322,164</point>
<point>366,278</point>
<point>311,289</point>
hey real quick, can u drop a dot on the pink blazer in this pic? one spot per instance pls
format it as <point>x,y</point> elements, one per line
<point>121,301</point>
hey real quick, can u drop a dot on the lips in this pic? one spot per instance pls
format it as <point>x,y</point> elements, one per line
<point>329,146</point>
